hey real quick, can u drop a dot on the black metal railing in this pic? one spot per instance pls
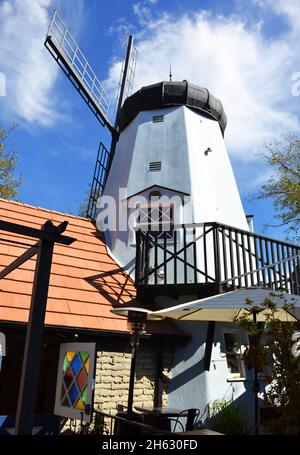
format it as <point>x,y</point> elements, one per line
<point>127,425</point>
<point>213,253</point>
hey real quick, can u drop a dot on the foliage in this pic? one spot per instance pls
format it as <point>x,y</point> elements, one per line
<point>96,427</point>
<point>225,417</point>
<point>283,186</point>
<point>9,183</point>
<point>283,389</point>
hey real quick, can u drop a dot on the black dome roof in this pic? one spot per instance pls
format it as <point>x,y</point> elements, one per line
<point>168,93</point>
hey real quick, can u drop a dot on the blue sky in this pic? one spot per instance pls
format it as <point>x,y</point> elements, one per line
<point>244,51</point>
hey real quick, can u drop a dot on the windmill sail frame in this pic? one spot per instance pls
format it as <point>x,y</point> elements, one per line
<point>127,74</point>
<point>65,51</point>
<point>99,180</point>
<point>71,59</point>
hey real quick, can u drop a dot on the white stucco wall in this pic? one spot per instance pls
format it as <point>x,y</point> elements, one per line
<point>179,143</point>
<point>213,186</point>
<point>192,387</point>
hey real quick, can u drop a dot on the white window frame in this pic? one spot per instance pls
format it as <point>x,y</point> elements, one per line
<point>241,376</point>
<point>153,205</point>
<point>65,411</point>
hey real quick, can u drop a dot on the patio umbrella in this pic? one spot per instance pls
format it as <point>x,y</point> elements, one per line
<point>230,306</point>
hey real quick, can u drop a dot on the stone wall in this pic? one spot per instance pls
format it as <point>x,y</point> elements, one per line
<point>113,371</point>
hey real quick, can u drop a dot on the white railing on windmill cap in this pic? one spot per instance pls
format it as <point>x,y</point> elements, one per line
<point>64,41</point>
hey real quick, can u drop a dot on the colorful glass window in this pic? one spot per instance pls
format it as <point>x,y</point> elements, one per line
<point>74,385</point>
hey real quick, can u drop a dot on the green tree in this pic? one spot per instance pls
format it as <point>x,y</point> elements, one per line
<point>273,352</point>
<point>283,186</point>
<point>9,183</point>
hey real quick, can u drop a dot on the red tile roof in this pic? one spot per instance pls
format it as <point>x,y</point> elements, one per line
<point>85,284</point>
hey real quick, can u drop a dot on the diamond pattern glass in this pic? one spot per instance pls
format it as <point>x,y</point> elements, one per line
<point>75,379</point>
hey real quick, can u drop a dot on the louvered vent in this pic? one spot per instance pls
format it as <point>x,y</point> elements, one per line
<point>154,166</point>
<point>157,118</point>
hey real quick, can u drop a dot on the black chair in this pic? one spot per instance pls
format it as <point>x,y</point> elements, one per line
<point>158,421</point>
<point>125,428</point>
<point>177,422</point>
<point>191,415</point>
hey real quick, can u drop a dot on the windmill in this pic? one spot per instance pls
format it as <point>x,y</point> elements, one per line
<point>183,235</point>
<point>76,67</point>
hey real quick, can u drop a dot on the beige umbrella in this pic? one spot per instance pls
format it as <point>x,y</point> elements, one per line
<point>229,306</point>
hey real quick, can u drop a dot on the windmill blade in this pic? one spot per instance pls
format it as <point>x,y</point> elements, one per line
<point>99,180</point>
<point>104,157</point>
<point>127,73</point>
<point>66,52</point>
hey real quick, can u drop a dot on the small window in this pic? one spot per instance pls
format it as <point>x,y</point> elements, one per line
<point>158,219</point>
<point>157,118</point>
<point>154,166</point>
<point>232,348</point>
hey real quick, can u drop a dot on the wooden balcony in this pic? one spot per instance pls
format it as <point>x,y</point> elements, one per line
<point>208,258</point>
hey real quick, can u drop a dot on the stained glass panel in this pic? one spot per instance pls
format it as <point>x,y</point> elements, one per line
<point>76,364</point>
<point>63,392</point>
<point>73,393</point>
<point>80,404</point>
<point>65,365</point>
<point>81,379</point>
<point>84,393</point>
<point>68,378</point>
<point>87,365</point>
<point>74,387</point>
<point>84,355</point>
<point>65,402</point>
<point>70,355</point>
<point>75,379</point>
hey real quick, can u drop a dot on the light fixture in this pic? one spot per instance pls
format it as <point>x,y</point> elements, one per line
<point>207,151</point>
<point>136,322</point>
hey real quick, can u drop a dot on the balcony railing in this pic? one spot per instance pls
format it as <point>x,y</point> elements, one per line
<point>212,253</point>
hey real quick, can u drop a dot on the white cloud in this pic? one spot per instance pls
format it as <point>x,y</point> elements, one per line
<point>288,8</point>
<point>30,72</point>
<point>250,73</point>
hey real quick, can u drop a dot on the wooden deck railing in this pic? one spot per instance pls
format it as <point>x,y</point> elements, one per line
<point>213,253</point>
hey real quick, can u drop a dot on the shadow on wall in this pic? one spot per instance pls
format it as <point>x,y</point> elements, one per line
<point>186,376</point>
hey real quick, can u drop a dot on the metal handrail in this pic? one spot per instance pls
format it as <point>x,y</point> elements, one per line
<point>215,253</point>
<point>215,224</point>
<point>128,421</point>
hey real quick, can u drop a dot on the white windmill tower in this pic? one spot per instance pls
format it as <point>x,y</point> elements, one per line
<point>171,146</point>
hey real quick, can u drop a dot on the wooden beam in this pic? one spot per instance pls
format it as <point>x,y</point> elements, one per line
<point>209,344</point>
<point>34,340</point>
<point>52,233</point>
<point>19,261</point>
